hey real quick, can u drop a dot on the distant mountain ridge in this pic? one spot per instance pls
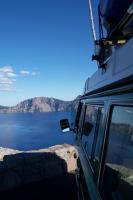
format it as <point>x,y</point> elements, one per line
<point>40,104</point>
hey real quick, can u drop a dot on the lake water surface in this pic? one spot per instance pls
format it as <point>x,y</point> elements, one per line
<point>33,130</point>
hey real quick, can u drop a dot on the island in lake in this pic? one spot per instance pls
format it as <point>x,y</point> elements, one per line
<point>41,104</point>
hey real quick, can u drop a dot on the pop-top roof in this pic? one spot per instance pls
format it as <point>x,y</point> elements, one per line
<point>119,66</point>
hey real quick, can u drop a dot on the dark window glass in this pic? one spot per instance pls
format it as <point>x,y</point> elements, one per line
<point>78,112</point>
<point>99,140</point>
<point>81,119</point>
<point>118,172</point>
<point>88,129</point>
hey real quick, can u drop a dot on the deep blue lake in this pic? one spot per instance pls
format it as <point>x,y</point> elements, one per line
<point>33,130</point>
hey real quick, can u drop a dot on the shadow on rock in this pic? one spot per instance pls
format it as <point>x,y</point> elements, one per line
<point>36,175</point>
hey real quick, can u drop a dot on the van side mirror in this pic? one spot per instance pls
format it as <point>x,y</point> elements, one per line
<point>64,124</point>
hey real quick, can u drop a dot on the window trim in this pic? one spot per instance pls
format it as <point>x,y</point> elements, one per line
<point>108,117</point>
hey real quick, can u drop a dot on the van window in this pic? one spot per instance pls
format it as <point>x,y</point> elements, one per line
<point>118,171</point>
<point>88,128</point>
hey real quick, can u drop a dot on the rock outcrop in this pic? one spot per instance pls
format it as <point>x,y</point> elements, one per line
<point>19,168</point>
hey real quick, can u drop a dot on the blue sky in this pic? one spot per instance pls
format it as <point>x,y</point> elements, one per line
<point>45,49</point>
